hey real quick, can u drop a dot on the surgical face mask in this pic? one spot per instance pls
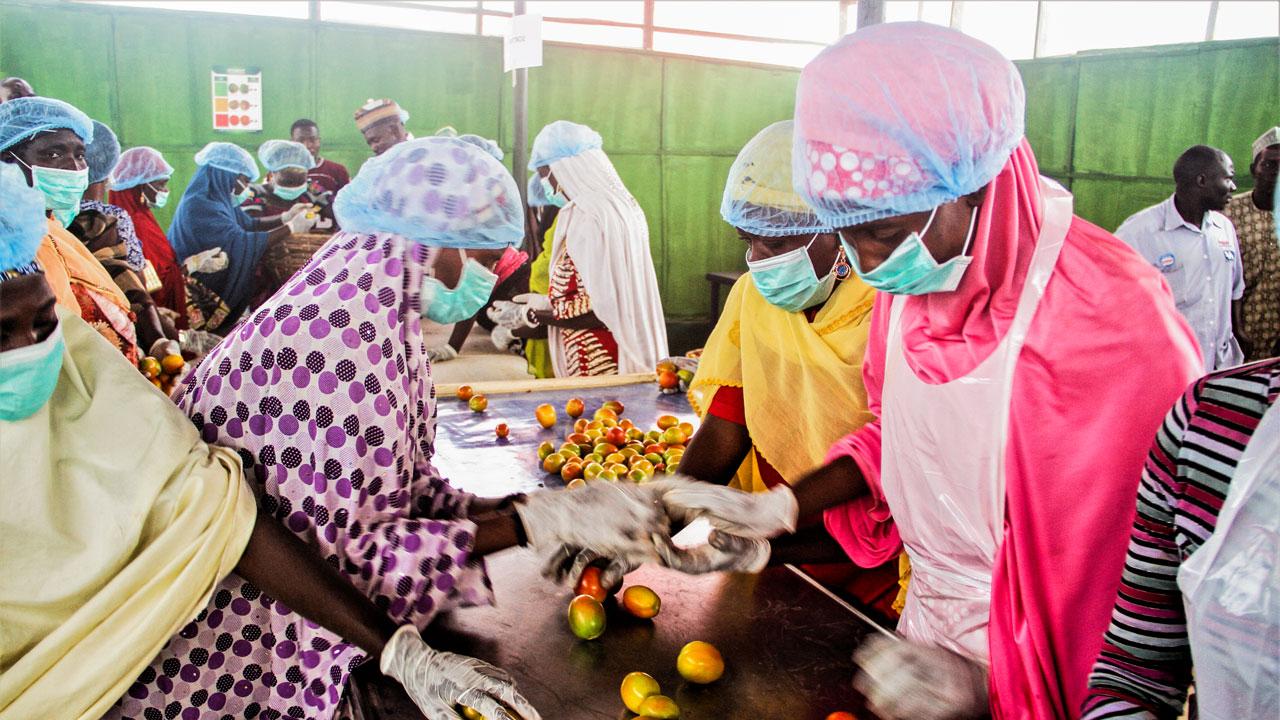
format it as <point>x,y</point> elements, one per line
<point>788,281</point>
<point>162,197</point>
<point>912,270</point>
<point>289,193</point>
<point>28,376</point>
<point>62,189</point>
<point>243,195</point>
<point>445,306</point>
<point>553,196</point>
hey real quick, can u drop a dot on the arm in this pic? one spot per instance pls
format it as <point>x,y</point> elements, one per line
<point>460,332</point>
<point>585,321</point>
<point>1237,327</point>
<point>717,449</point>
<point>1144,667</point>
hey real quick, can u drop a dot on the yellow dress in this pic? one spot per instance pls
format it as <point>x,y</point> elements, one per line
<point>536,350</point>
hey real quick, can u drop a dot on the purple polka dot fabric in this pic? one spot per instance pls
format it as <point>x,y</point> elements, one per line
<point>336,431</point>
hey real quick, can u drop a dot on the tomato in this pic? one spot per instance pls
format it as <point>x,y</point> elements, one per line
<point>575,483</point>
<point>580,425</point>
<point>616,436</point>
<point>578,438</point>
<point>465,392</point>
<point>636,687</point>
<point>150,367</point>
<point>687,429</point>
<point>841,715</point>
<point>659,707</point>
<point>502,430</point>
<point>605,413</point>
<point>667,421</point>
<point>553,462</point>
<point>641,601</point>
<point>172,364</point>
<point>589,584</point>
<point>545,449</point>
<point>571,471</point>
<point>478,403</point>
<point>673,436</point>
<point>586,617</point>
<point>616,406</point>
<point>570,450</point>
<point>666,366</point>
<point>591,471</point>
<point>574,408</point>
<point>546,415</point>
<point>668,380</point>
<point>700,662</point>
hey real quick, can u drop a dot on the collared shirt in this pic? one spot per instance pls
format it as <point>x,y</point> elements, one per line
<point>1203,269</point>
<point>1260,254</point>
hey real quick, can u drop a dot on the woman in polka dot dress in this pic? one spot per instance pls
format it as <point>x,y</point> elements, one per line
<point>325,392</point>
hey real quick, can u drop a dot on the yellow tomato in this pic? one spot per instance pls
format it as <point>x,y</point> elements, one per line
<point>641,601</point>
<point>659,707</point>
<point>700,662</point>
<point>636,687</point>
<point>586,617</point>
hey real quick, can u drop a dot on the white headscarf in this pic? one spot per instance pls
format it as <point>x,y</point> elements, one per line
<point>603,229</point>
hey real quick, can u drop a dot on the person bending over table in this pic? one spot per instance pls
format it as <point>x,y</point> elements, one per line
<point>326,394</point>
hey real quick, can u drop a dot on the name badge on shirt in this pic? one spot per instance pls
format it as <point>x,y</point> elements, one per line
<point>1230,255</point>
<point>1166,263</point>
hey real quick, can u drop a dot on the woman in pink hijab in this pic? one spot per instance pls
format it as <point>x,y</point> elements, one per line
<point>1020,359</point>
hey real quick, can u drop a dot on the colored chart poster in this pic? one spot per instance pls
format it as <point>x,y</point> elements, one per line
<point>237,99</point>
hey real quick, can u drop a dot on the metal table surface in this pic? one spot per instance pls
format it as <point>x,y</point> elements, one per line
<point>786,641</point>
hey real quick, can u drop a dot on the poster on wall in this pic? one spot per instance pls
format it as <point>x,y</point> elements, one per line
<point>237,99</point>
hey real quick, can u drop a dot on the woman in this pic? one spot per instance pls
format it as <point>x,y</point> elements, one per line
<point>781,376</point>
<point>46,138</point>
<point>107,231</point>
<point>209,218</point>
<point>1015,353</point>
<point>326,394</point>
<point>139,183</point>
<point>113,541</point>
<point>605,313</point>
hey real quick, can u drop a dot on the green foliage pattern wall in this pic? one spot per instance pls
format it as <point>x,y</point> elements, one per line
<point>1107,124</point>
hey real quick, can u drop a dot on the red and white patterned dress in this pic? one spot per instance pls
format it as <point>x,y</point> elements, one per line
<point>587,352</point>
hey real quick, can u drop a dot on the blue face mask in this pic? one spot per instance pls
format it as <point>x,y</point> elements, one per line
<point>243,195</point>
<point>446,306</point>
<point>553,197</point>
<point>911,268</point>
<point>28,376</point>
<point>289,193</point>
<point>62,189</point>
<point>788,281</point>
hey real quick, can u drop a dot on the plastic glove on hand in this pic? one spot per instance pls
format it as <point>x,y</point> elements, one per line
<point>902,680</point>
<point>510,314</point>
<point>624,519</point>
<point>302,223</point>
<point>439,680</point>
<point>537,301</point>
<point>294,211</point>
<point>441,353</point>
<point>209,261</point>
<point>164,347</point>
<point>567,563</point>
<point>505,340</point>
<point>722,553</point>
<point>737,512</point>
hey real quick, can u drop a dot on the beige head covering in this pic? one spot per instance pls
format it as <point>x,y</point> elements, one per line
<point>1266,140</point>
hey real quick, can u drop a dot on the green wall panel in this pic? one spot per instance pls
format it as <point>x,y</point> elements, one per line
<point>1051,99</point>
<point>1106,202</point>
<point>58,51</point>
<point>711,108</point>
<point>616,93</point>
<point>439,79</point>
<point>698,241</point>
<point>157,103</point>
<point>1238,112</point>
<point>642,174</point>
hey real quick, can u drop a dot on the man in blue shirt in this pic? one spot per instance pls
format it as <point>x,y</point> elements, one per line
<point>1190,241</point>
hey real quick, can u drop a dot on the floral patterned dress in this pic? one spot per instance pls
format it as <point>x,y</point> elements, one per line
<point>589,352</point>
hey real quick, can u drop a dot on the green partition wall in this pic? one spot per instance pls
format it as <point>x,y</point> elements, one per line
<point>1107,124</point>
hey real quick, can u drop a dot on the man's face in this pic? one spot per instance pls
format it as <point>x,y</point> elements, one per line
<point>289,177</point>
<point>384,135</point>
<point>1265,169</point>
<point>61,149</point>
<point>310,137</point>
<point>1218,183</point>
<point>26,311</point>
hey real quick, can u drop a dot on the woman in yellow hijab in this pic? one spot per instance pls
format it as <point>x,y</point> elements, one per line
<point>780,379</point>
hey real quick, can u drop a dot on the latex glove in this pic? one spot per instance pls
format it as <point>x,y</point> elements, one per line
<point>209,261</point>
<point>511,314</point>
<point>442,353</point>
<point>737,512</point>
<point>616,520</point>
<point>439,680</point>
<point>537,301</point>
<point>902,680</point>
<point>568,563</point>
<point>295,211</point>
<point>302,223</point>
<point>505,340</point>
<point>722,553</point>
<point>164,347</point>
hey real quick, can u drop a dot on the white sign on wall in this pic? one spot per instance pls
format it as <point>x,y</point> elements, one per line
<point>237,99</point>
<point>523,45</point>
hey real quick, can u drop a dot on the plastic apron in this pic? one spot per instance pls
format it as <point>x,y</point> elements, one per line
<point>943,464</point>
<point>1231,590</point>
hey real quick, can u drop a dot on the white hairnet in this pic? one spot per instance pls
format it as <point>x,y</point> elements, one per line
<point>230,157</point>
<point>138,166</point>
<point>277,155</point>
<point>562,139</point>
<point>23,118</point>
<point>758,196</point>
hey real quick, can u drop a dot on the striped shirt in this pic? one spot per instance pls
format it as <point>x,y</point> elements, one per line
<point>1144,668</point>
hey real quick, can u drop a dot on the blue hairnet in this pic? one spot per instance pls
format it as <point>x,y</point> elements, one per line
<point>277,155</point>
<point>900,118</point>
<point>535,194</point>
<point>758,196</point>
<point>436,191</point>
<point>562,139</point>
<point>138,166</point>
<point>102,153</point>
<point>484,144</point>
<point>22,224</point>
<point>230,157</point>
<point>24,118</point>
